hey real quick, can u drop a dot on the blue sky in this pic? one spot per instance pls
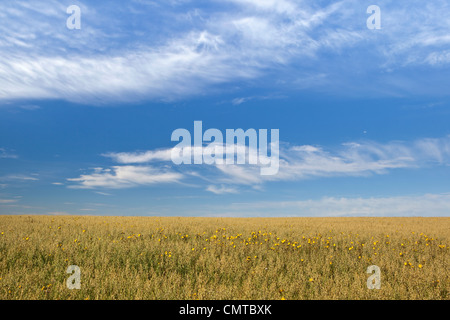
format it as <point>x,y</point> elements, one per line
<point>86,116</point>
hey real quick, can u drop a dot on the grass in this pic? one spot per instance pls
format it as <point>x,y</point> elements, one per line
<point>223,258</point>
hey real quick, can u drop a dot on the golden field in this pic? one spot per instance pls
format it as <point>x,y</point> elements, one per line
<point>223,258</point>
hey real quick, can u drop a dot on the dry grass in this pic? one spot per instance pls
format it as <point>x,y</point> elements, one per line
<point>223,258</point>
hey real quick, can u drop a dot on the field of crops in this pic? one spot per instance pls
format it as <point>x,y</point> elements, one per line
<point>223,258</point>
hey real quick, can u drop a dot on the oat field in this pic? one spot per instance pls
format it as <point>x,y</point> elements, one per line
<point>223,258</point>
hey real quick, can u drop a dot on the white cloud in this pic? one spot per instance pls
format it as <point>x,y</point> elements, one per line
<point>278,6</point>
<point>306,162</point>
<point>184,66</point>
<point>297,162</point>
<point>351,159</point>
<point>221,190</point>
<point>238,101</point>
<point>140,157</point>
<point>125,177</point>
<point>43,60</point>
<point>4,154</point>
<point>6,201</point>
<point>438,58</point>
<point>18,177</point>
<point>221,151</point>
<point>415,31</point>
<point>103,193</point>
<point>30,107</point>
<point>411,205</point>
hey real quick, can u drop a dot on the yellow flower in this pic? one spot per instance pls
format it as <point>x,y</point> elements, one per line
<point>420,266</point>
<point>311,280</point>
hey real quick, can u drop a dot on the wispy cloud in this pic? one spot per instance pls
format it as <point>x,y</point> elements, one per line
<point>241,100</point>
<point>7,201</point>
<point>350,159</point>
<point>30,107</point>
<point>19,177</point>
<point>208,46</point>
<point>103,193</point>
<point>221,189</point>
<point>4,154</point>
<point>306,162</point>
<point>238,101</point>
<point>297,162</point>
<point>125,177</point>
<point>424,205</point>
<point>140,157</point>
<point>438,58</point>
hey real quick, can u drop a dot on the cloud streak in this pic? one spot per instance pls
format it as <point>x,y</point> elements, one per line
<point>221,189</point>
<point>424,205</point>
<point>4,154</point>
<point>119,177</point>
<point>7,201</point>
<point>19,177</point>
